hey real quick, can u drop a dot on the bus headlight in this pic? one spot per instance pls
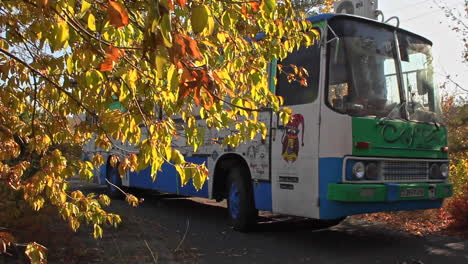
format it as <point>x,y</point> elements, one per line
<point>444,170</point>
<point>359,170</point>
<point>434,172</point>
<point>372,171</point>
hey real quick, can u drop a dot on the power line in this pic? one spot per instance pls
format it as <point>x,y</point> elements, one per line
<point>406,6</point>
<point>423,14</point>
<point>430,12</point>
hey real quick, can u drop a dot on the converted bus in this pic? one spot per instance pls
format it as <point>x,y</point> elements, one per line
<point>365,135</point>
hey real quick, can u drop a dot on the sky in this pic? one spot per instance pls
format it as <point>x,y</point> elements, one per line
<point>425,18</point>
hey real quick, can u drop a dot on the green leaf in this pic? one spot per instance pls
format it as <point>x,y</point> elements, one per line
<point>173,78</point>
<point>268,7</point>
<point>165,29</point>
<point>229,18</point>
<point>199,18</point>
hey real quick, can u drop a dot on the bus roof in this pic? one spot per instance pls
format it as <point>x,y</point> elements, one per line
<point>328,16</point>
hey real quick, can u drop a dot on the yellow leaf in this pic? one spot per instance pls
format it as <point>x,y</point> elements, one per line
<point>97,231</point>
<point>91,22</point>
<point>85,6</point>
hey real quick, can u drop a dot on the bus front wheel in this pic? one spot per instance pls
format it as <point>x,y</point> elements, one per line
<point>240,200</point>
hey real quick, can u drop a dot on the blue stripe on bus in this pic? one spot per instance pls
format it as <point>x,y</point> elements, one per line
<point>102,175</point>
<point>330,172</point>
<point>262,196</point>
<point>168,180</point>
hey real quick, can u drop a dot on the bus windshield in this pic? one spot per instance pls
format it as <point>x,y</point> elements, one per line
<point>363,73</point>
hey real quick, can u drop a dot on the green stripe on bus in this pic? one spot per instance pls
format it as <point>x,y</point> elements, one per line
<point>378,192</point>
<point>394,138</point>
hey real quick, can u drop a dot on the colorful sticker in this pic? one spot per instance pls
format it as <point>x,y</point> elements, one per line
<point>290,138</point>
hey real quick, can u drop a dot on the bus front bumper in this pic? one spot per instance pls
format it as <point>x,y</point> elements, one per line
<point>388,192</point>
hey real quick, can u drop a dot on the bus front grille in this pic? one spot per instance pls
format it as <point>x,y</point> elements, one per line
<point>393,170</point>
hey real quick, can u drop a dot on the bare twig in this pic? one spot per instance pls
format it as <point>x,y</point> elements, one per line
<point>155,259</point>
<point>185,235</point>
<point>456,84</point>
<point>126,194</point>
<point>117,247</point>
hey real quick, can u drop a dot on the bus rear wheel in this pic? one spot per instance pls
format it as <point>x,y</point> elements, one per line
<point>242,212</point>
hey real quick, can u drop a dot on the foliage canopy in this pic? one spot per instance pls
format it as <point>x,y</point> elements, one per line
<point>160,59</point>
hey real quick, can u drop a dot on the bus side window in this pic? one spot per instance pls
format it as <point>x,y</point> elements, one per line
<point>294,93</point>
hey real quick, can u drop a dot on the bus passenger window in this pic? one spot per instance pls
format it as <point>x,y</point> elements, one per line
<point>293,92</point>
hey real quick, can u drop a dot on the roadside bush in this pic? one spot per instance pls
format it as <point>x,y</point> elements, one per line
<point>459,173</point>
<point>458,210</point>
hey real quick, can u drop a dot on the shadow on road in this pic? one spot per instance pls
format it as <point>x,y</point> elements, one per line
<point>282,239</point>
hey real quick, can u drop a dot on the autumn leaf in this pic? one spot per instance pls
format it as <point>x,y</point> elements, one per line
<point>43,3</point>
<point>6,239</point>
<point>170,4</point>
<point>255,6</point>
<point>174,61</point>
<point>181,3</point>
<point>118,15</point>
<point>107,65</point>
<point>192,48</point>
<point>36,253</point>
<point>186,45</point>
<point>112,56</point>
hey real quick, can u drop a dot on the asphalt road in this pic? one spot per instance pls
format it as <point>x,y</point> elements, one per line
<point>200,226</point>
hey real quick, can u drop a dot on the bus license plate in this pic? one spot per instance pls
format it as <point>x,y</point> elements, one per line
<point>412,192</point>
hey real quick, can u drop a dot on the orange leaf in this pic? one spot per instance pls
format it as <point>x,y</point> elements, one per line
<point>209,101</point>
<point>196,96</point>
<point>244,10</point>
<point>192,48</point>
<point>187,76</point>
<point>182,3</point>
<point>230,92</point>
<point>114,53</point>
<point>255,6</point>
<point>107,65</point>
<point>184,44</point>
<point>179,45</point>
<point>183,92</point>
<point>118,15</point>
<point>170,4</point>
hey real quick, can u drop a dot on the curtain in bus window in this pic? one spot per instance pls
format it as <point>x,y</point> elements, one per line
<point>294,92</point>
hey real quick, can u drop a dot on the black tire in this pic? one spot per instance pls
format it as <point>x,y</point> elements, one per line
<point>241,207</point>
<point>113,176</point>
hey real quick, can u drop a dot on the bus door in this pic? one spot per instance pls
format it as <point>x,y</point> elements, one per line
<point>294,150</point>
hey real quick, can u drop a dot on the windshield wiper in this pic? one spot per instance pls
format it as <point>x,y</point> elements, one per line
<point>395,108</point>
